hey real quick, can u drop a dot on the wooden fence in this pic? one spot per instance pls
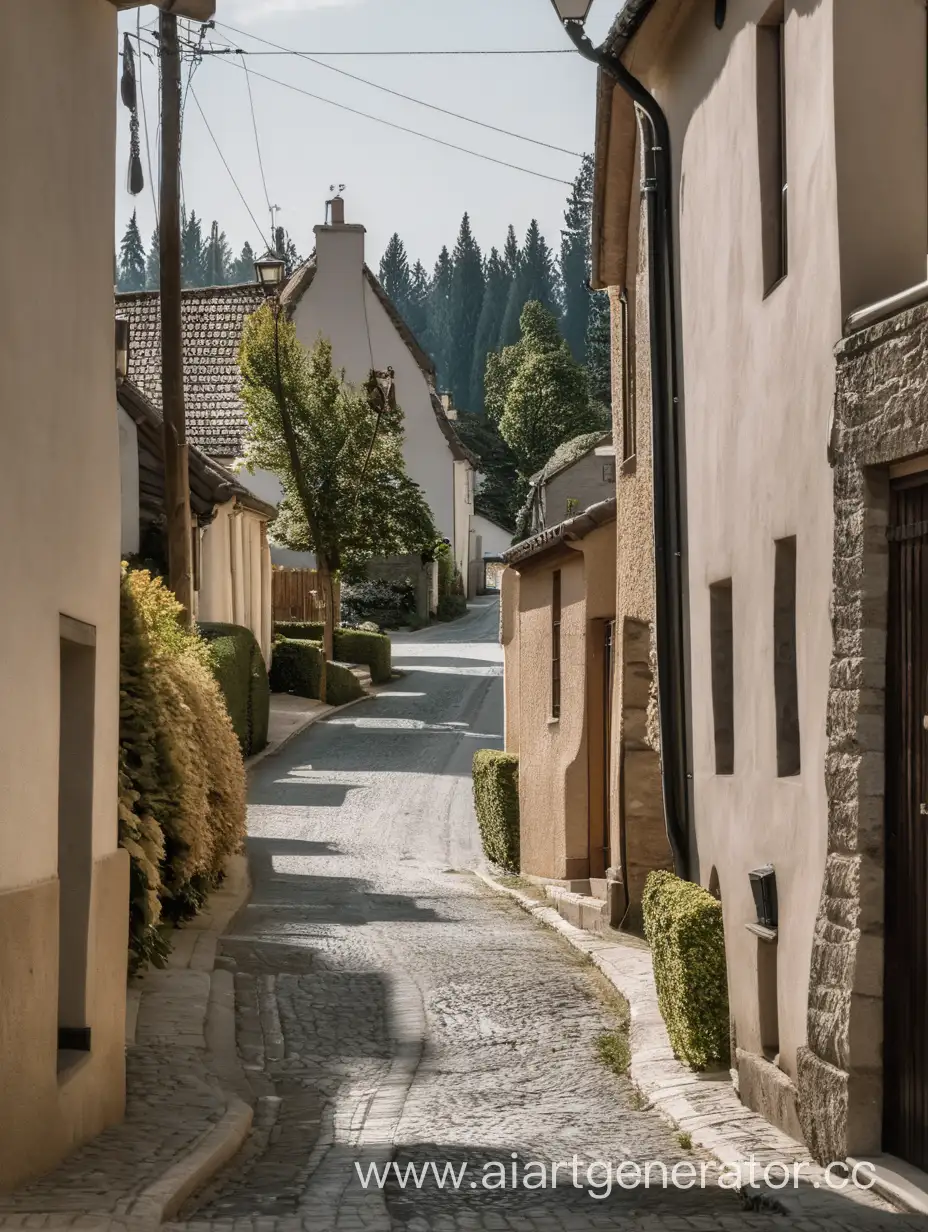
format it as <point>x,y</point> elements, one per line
<point>297,595</point>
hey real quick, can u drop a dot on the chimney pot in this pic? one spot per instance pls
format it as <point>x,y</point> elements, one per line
<point>338,211</point>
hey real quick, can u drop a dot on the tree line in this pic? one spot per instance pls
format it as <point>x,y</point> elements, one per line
<point>207,259</point>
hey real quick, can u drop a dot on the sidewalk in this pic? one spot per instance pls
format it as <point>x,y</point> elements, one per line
<point>704,1106</point>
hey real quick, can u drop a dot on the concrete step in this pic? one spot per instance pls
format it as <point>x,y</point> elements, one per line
<point>581,910</point>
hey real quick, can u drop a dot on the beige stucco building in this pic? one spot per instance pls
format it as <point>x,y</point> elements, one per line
<point>796,196</point>
<point>557,623</point>
<point>64,883</point>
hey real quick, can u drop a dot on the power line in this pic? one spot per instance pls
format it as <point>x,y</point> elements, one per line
<point>541,51</point>
<point>193,95</point>
<point>254,125</point>
<point>554,179</point>
<point>408,98</point>
<point>151,178</point>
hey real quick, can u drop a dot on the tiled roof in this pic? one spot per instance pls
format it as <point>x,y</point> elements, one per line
<point>213,319</point>
<point>575,528</point>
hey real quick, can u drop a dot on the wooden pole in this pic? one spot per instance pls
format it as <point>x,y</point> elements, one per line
<point>176,474</point>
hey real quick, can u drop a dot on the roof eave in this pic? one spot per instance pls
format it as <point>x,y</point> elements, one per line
<point>570,531</point>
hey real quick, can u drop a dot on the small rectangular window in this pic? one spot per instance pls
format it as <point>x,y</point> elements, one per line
<point>785,676</point>
<point>771,144</point>
<point>628,383</point>
<point>723,675</point>
<point>556,644</point>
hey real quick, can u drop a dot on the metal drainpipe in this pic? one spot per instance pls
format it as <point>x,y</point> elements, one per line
<point>668,527</point>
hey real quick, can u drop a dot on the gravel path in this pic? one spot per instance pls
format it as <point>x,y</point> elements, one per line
<point>391,1008</point>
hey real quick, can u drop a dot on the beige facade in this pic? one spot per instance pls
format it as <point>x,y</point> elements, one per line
<point>558,605</point>
<point>765,276</point>
<point>63,881</point>
<point>235,572</point>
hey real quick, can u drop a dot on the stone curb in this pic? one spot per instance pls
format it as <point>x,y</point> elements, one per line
<point>162,1200</point>
<point>667,1083</point>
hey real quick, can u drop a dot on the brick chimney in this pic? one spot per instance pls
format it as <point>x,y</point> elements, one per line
<point>337,205</point>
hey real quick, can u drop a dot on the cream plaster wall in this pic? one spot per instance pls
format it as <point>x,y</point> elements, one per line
<point>341,306</point>
<point>128,483</point>
<point>759,382</point>
<point>495,539</point>
<point>59,554</point>
<point>235,572</point>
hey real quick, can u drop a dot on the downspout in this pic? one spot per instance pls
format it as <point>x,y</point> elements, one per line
<point>668,496</point>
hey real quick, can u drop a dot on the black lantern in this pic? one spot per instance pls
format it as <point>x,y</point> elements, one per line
<point>270,274</point>
<point>573,10</point>
<point>764,888</point>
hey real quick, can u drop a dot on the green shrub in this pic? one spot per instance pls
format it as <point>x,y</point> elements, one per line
<point>296,667</point>
<point>387,604</point>
<point>239,668</point>
<point>683,925</point>
<point>496,799</point>
<point>451,607</point>
<point>181,778</point>
<point>351,646</point>
<point>341,684</point>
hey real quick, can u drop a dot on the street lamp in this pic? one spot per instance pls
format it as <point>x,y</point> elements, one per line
<point>122,349</point>
<point>270,274</point>
<point>573,10</point>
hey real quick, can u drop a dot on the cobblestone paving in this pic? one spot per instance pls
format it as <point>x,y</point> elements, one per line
<point>391,1008</point>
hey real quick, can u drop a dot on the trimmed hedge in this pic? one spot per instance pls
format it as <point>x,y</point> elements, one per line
<point>296,667</point>
<point>496,799</point>
<point>351,646</point>
<point>240,671</point>
<point>683,925</point>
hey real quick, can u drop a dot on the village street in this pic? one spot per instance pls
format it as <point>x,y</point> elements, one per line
<point>388,1001</point>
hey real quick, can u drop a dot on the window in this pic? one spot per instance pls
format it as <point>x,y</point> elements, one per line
<point>785,679</point>
<point>556,644</point>
<point>75,831</point>
<point>771,145</point>
<point>723,675</point>
<point>629,428</point>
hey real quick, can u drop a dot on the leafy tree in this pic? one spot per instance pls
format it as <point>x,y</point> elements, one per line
<point>466,302</point>
<point>438,316</point>
<point>502,491</point>
<point>217,258</point>
<point>347,496</point>
<point>535,281</point>
<point>538,393</point>
<point>131,272</point>
<point>243,270</point>
<point>599,348</point>
<point>576,259</point>
<point>153,265</point>
<point>395,277</point>
<point>418,301</point>
<point>192,249</point>
<point>495,296</point>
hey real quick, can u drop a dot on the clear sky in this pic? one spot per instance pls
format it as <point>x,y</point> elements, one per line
<point>394,182</point>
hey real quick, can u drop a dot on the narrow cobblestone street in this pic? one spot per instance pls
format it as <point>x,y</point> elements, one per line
<point>390,1006</point>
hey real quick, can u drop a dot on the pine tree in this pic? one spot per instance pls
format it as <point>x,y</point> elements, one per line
<point>192,262</point>
<point>466,305</point>
<point>498,280</point>
<point>153,265</point>
<point>575,261</point>
<point>599,349</point>
<point>535,282</point>
<point>131,270</point>
<point>243,270</point>
<point>418,301</point>
<point>217,258</point>
<point>512,253</point>
<point>438,316</point>
<point>287,251</point>
<point>395,277</point>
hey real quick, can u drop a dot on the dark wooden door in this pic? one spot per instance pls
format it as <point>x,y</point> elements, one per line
<point>905,1048</point>
<point>608,694</point>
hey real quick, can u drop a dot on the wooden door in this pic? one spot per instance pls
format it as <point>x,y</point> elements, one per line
<point>608,694</point>
<point>905,1047</point>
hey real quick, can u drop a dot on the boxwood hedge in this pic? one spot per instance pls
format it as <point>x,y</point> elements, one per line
<point>240,671</point>
<point>496,799</point>
<point>351,646</point>
<point>683,925</point>
<point>296,667</point>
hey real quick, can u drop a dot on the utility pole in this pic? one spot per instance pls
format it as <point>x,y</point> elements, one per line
<point>176,474</point>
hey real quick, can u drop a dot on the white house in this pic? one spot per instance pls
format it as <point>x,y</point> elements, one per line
<point>232,560</point>
<point>335,295</point>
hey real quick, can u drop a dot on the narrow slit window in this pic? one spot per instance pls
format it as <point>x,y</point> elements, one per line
<point>785,676</point>
<point>628,384</point>
<point>556,644</point>
<point>723,675</point>
<point>771,145</point>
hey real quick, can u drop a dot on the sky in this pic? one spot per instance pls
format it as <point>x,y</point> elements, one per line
<point>393,181</point>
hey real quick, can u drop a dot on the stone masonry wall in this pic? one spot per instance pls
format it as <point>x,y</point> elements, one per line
<point>880,417</point>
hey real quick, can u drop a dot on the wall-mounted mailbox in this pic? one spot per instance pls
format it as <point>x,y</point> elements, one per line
<point>764,888</point>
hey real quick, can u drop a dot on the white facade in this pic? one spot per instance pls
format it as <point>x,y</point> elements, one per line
<point>494,539</point>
